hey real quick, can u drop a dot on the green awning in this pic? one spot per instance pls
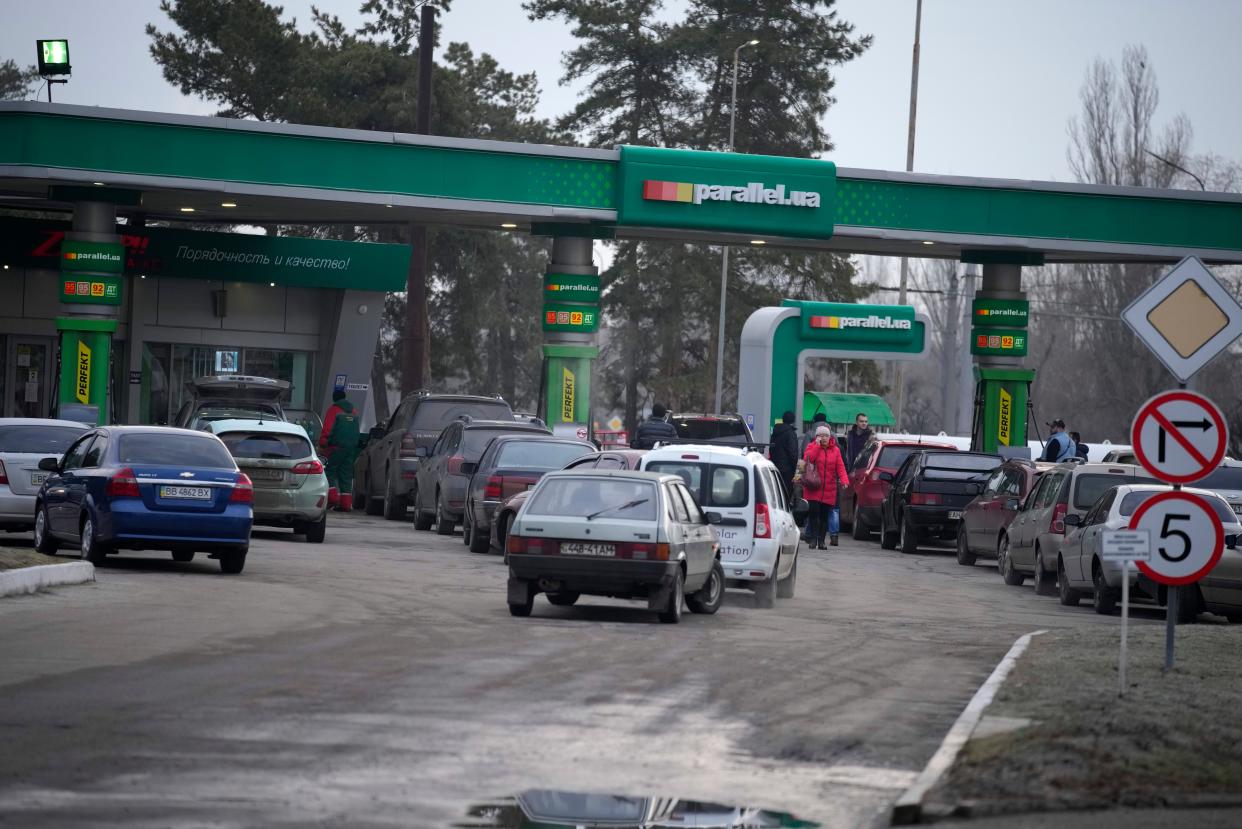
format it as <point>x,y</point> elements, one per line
<point>843,408</point>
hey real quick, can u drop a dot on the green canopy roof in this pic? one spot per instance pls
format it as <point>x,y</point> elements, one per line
<point>843,408</point>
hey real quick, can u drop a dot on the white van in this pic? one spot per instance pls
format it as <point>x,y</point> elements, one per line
<point>758,533</point>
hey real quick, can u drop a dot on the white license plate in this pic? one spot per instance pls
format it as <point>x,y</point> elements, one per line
<point>1237,508</point>
<point>267,474</point>
<point>575,548</point>
<point>37,479</point>
<point>200,493</point>
<point>955,515</point>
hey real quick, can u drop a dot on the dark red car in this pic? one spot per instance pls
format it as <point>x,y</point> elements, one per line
<point>988,515</point>
<point>610,459</point>
<point>860,501</point>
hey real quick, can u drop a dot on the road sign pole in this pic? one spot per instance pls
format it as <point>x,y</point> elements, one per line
<point>1125,620</point>
<point>1170,625</point>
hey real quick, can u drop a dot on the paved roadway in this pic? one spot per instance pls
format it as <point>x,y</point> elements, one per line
<point>378,679</point>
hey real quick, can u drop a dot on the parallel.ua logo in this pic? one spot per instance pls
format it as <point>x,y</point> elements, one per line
<point>869,321</point>
<point>752,193</point>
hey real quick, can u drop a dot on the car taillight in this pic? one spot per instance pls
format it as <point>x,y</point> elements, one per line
<point>926,499</point>
<point>495,484</point>
<point>307,468</point>
<point>243,490</point>
<point>4,476</point>
<point>638,551</point>
<point>532,546</point>
<point>123,485</point>
<point>1058,518</point>
<point>515,544</point>
<point>763,521</point>
<point>407,446</point>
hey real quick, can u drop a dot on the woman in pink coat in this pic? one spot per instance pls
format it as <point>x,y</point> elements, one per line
<point>825,456</point>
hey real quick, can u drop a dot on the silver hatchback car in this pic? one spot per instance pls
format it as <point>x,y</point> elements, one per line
<point>23,442</point>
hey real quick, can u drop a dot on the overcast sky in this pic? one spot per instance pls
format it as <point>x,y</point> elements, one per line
<point>998,81</point>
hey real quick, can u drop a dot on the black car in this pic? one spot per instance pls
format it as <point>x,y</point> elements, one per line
<point>439,494</point>
<point>385,472</point>
<point>510,464</point>
<point>712,428</point>
<point>928,494</point>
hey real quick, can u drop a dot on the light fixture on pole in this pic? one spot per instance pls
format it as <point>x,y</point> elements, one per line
<point>846,363</point>
<point>724,256</point>
<point>898,372</point>
<point>53,60</point>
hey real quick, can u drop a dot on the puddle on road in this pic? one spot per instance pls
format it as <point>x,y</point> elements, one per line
<point>540,808</point>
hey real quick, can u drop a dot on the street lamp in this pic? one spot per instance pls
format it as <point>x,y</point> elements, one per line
<point>846,363</point>
<point>724,257</point>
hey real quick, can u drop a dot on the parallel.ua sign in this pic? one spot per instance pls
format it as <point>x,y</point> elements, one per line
<point>82,388</point>
<point>869,321</point>
<point>1005,419</point>
<point>567,395</point>
<point>753,193</point>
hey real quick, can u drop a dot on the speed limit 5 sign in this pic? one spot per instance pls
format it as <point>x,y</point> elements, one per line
<point>1187,538</point>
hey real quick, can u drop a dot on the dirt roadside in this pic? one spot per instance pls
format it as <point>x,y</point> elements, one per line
<point>1057,737</point>
<point>15,558</point>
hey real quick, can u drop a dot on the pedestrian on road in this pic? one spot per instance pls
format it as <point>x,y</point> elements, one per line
<point>856,438</point>
<point>338,443</point>
<point>784,451</point>
<point>654,429</point>
<point>824,469</point>
<point>1060,446</point>
<point>1080,448</point>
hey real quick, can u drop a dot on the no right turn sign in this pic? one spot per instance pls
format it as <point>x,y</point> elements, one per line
<point>1179,436</point>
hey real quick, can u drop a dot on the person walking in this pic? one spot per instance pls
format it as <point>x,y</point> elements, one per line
<point>338,443</point>
<point>1059,447</point>
<point>654,429</point>
<point>1080,448</point>
<point>808,437</point>
<point>784,451</point>
<point>824,469</point>
<point>856,438</point>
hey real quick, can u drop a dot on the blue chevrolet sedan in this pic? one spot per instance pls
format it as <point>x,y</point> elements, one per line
<point>146,488</point>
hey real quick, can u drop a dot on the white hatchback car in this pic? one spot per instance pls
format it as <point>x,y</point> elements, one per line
<point>758,530</point>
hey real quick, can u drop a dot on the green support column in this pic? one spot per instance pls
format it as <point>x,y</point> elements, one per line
<point>570,321</point>
<point>568,383</point>
<point>85,362</point>
<point>1002,398</point>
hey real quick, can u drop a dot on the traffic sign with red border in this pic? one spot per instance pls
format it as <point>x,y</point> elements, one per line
<point>1186,543</point>
<point>1179,436</point>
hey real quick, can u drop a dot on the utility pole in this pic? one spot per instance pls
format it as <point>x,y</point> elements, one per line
<point>414,353</point>
<point>898,374</point>
<point>965,366</point>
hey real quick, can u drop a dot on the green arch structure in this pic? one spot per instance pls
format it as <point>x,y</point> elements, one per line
<point>777,342</point>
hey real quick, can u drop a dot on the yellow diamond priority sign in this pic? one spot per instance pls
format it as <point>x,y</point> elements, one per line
<point>1186,318</point>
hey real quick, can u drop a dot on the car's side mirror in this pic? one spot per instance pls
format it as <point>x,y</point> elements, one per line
<point>49,465</point>
<point>801,510</point>
<point>469,468</point>
<point>422,451</point>
<point>1073,520</point>
<point>1011,504</point>
<point>713,517</point>
<point>375,433</point>
<point>886,476</point>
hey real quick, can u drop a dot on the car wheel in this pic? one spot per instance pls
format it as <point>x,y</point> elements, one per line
<point>1004,564</point>
<point>861,531</point>
<point>183,556</point>
<point>232,562</point>
<point>565,598</point>
<point>708,598</point>
<point>909,538</point>
<point>44,542</point>
<point>1068,595</point>
<point>1103,600</point>
<point>523,608</point>
<point>1187,604</point>
<point>394,504</point>
<point>964,556</point>
<point>370,504</point>
<point>443,525</point>
<point>315,532</point>
<point>480,540</point>
<point>765,591</point>
<point>785,587</point>
<point>888,538</point>
<point>1045,580</point>
<point>503,522</point>
<point>671,614</point>
<point>92,549</point>
<point>360,491</point>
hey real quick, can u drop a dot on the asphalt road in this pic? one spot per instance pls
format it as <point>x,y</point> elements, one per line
<point>378,680</point>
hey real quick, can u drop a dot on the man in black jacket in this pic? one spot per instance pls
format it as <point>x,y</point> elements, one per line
<point>784,450</point>
<point>653,429</point>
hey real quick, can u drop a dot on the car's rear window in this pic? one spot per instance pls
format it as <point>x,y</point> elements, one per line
<point>434,415</point>
<point>171,449</point>
<point>38,440</point>
<point>580,497</point>
<point>958,466</point>
<point>709,428</point>
<point>727,484</point>
<point>476,440</point>
<point>1088,488</point>
<point>266,445</point>
<point>540,454</point>
<point>1132,501</point>
<point>689,471</point>
<point>1224,477</point>
<point>892,457</point>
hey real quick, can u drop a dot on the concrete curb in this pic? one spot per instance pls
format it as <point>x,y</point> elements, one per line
<point>909,807</point>
<point>33,579</point>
